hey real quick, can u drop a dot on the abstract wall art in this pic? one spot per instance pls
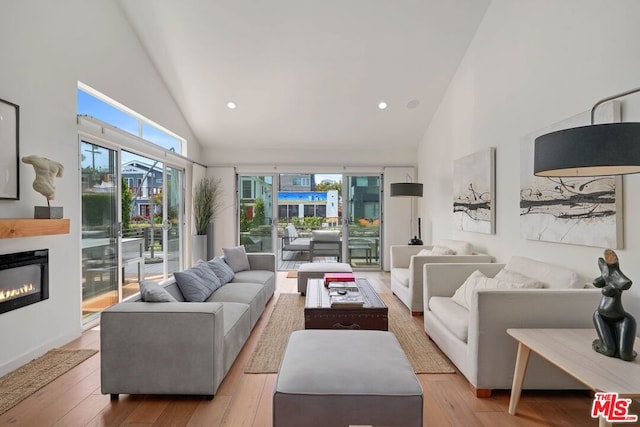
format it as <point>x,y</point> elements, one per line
<point>474,192</point>
<point>9,145</point>
<point>582,211</point>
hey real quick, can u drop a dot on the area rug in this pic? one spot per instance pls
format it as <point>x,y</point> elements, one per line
<point>26,380</point>
<point>288,316</point>
<point>292,274</point>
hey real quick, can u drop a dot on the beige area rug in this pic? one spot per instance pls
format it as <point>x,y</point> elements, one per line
<point>288,316</point>
<point>26,380</point>
<point>292,274</point>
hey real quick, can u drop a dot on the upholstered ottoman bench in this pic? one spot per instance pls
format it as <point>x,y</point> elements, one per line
<point>316,270</point>
<point>342,378</point>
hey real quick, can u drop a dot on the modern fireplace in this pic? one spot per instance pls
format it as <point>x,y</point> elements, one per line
<point>24,279</point>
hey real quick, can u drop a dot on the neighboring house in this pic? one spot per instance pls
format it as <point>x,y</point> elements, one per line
<point>145,181</point>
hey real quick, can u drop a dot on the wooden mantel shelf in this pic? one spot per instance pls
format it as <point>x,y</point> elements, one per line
<point>27,227</point>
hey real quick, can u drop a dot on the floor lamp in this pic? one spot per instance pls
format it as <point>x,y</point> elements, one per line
<point>412,190</point>
<point>596,150</point>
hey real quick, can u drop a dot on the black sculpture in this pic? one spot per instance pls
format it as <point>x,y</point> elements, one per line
<point>616,328</point>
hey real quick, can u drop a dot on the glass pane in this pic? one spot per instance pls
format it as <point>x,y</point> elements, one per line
<point>256,213</point>
<point>174,220</point>
<point>99,229</point>
<point>144,228</point>
<point>158,137</point>
<point>363,246</point>
<point>307,202</point>
<point>89,105</point>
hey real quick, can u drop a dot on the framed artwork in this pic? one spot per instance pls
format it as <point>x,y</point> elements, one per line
<point>581,211</point>
<point>474,192</point>
<point>9,145</point>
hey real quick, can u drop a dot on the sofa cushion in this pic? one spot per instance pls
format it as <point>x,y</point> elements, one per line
<point>236,258</point>
<point>153,292</point>
<point>452,315</point>
<point>401,276</point>
<point>515,277</point>
<point>554,276</point>
<point>477,280</point>
<point>246,293</point>
<point>460,247</point>
<point>221,269</point>
<point>442,250</point>
<point>290,231</point>
<point>425,252</point>
<point>198,282</point>
<point>325,235</point>
<point>253,276</point>
<point>237,328</point>
<point>172,287</point>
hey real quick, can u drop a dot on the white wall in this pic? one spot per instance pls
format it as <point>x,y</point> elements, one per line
<point>46,48</point>
<point>532,64</point>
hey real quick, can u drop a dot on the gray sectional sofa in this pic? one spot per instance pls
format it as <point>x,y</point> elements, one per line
<point>183,347</point>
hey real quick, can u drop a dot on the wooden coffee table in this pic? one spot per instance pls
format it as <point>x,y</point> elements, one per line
<point>318,313</point>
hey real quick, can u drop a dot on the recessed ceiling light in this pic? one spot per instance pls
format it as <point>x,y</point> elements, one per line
<point>382,105</point>
<point>232,105</point>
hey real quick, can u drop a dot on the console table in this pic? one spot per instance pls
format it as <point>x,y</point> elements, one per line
<point>570,350</point>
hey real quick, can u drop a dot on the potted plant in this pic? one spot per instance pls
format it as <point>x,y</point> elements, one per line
<point>207,203</point>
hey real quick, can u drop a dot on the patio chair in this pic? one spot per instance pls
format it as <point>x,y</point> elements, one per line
<point>325,243</point>
<point>291,242</point>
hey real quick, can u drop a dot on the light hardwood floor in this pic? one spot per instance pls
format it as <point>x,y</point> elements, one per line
<point>245,399</point>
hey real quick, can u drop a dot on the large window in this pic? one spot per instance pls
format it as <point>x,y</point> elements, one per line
<point>132,203</point>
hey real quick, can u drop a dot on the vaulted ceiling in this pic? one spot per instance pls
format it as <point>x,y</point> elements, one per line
<point>306,72</point>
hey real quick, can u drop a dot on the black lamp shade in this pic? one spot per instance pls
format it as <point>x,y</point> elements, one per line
<point>406,189</point>
<point>596,150</point>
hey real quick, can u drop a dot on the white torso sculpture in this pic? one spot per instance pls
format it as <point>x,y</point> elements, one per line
<point>46,171</point>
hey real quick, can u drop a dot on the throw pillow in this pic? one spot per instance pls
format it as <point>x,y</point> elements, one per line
<point>221,269</point>
<point>425,252</point>
<point>236,258</point>
<point>198,282</point>
<point>515,277</point>
<point>153,292</point>
<point>442,250</point>
<point>476,281</point>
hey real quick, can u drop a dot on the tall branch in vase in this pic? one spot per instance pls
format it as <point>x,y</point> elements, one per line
<point>207,203</point>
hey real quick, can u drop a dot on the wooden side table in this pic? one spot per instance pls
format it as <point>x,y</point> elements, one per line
<point>570,350</point>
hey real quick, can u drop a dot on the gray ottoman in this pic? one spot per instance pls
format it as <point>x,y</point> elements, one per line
<point>342,378</point>
<point>316,270</point>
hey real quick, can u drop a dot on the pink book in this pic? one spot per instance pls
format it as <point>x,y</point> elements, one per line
<point>338,277</point>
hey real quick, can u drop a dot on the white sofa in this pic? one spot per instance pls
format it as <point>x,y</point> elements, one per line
<point>406,268</point>
<point>476,341</point>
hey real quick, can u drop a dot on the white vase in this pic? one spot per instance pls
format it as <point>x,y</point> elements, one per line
<point>198,248</point>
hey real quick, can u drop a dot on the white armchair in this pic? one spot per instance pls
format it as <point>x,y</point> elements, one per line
<point>407,273</point>
<point>476,340</point>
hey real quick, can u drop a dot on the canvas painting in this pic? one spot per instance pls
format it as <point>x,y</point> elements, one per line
<point>474,192</point>
<point>582,211</point>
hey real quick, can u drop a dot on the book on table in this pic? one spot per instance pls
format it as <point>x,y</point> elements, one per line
<point>338,277</point>
<point>350,299</point>
<point>348,286</point>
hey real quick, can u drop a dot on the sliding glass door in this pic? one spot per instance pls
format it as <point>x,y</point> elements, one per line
<point>256,213</point>
<point>132,223</point>
<point>100,228</point>
<point>173,218</point>
<point>349,205</point>
<point>362,226</point>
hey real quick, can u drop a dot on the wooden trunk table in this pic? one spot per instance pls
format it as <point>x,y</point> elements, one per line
<point>318,313</point>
